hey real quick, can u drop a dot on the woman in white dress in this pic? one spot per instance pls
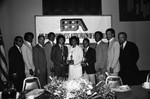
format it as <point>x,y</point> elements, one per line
<point>75,57</point>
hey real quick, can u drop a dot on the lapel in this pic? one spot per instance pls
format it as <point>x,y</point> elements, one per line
<point>30,47</point>
<point>39,47</point>
<point>99,45</point>
<point>111,43</point>
<point>58,47</point>
<point>124,49</point>
<point>50,44</point>
<point>126,46</point>
<point>17,49</point>
<point>101,42</point>
<point>87,52</point>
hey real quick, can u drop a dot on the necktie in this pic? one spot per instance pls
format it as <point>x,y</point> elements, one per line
<point>52,43</point>
<point>108,43</point>
<point>62,49</point>
<point>121,46</point>
<point>85,50</point>
<point>62,52</point>
<point>96,45</point>
<point>20,50</point>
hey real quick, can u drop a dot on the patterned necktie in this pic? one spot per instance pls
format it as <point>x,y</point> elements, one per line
<point>121,46</point>
<point>62,50</point>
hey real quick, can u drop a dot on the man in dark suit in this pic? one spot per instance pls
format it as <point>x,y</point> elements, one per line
<point>129,56</point>
<point>89,59</point>
<point>16,64</point>
<point>39,60</point>
<point>59,56</point>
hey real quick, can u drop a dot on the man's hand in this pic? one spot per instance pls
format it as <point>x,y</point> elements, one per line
<point>111,70</point>
<point>14,75</point>
<point>61,65</point>
<point>31,71</point>
<point>83,64</point>
<point>38,71</point>
<point>100,70</point>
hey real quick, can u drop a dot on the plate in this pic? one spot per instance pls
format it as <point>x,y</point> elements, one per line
<point>145,87</point>
<point>122,88</point>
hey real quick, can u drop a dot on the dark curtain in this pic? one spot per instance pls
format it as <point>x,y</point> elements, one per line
<point>71,7</point>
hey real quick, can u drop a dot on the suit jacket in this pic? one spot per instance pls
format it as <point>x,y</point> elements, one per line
<point>56,55</point>
<point>48,48</point>
<point>101,56</point>
<point>16,65</point>
<point>40,63</point>
<point>28,58</point>
<point>39,58</point>
<point>113,55</point>
<point>90,56</point>
<point>129,57</point>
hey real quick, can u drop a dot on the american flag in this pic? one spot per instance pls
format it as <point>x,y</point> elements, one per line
<point>3,62</point>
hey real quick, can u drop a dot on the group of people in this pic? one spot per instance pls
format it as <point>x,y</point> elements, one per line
<point>117,57</point>
<point>48,59</point>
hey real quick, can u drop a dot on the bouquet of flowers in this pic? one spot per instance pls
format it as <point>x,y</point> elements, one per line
<point>66,89</point>
<point>77,89</point>
<point>56,88</point>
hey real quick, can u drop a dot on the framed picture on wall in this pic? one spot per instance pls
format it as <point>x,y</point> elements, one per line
<point>134,10</point>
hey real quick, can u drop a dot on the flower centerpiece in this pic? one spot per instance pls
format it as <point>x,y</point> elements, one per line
<point>56,88</point>
<point>76,89</point>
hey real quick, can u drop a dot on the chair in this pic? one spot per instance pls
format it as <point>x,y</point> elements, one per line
<point>31,83</point>
<point>114,81</point>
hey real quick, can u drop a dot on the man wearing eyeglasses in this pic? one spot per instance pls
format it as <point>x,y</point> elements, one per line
<point>16,64</point>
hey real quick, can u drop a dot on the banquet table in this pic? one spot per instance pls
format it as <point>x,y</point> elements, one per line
<point>136,92</point>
